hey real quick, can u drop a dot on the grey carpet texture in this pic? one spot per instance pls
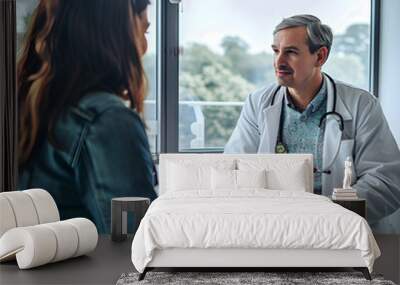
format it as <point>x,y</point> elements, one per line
<point>228,278</point>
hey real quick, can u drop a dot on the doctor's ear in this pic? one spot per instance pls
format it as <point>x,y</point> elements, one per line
<point>322,56</point>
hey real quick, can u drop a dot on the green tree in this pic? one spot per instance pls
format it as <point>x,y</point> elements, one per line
<point>347,68</point>
<point>355,41</point>
<point>207,76</point>
<point>214,83</point>
<point>198,56</point>
<point>256,68</point>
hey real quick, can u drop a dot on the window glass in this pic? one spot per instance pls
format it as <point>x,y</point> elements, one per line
<point>150,67</point>
<point>227,54</point>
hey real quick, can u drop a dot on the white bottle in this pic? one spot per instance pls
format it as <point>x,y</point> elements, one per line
<point>347,173</point>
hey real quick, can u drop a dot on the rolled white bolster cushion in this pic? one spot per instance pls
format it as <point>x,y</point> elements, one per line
<point>37,245</point>
<point>87,235</point>
<point>66,238</point>
<point>26,208</point>
<point>45,205</point>
<point>23,208</point>
<point>33,246</point>
<point>7,218</point>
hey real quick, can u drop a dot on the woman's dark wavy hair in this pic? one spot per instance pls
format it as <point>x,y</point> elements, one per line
<point>73,47</point>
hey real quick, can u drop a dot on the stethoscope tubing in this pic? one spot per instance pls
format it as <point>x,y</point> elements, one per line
<point>323,118</point>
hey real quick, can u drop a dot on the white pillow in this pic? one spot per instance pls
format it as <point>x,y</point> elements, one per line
<point>282,174</point>
<point>223,179</point>
<point>251,178</point>
<point>226,179</point>
<point>187,175</point>
<point>281,180</point>
<point>183,178</point>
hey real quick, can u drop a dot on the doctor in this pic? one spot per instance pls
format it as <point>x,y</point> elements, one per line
<point>309,112</point>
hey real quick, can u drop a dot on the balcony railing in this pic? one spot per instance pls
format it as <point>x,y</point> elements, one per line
<point>196,138</point>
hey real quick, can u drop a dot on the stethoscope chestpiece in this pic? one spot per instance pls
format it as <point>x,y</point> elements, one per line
<point>280,148</point>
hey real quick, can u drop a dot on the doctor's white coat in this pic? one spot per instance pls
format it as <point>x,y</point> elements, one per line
<point>366,138</point>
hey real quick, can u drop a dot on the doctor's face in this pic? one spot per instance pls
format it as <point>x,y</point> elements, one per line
<point>294,65</point>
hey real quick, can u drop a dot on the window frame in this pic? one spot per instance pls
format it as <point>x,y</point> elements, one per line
<point>168,40</point>
<point>375,33</point>
<point>8,98</point>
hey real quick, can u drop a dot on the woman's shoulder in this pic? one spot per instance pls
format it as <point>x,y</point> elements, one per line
<point>90,109</point>
<point>97,107</point>
<point>95,103</point>
<point>97,114</point>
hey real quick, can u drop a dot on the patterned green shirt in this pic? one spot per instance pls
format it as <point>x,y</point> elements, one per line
<point>301,132</point>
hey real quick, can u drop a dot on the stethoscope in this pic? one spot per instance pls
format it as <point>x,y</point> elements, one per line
<point>281,147</point>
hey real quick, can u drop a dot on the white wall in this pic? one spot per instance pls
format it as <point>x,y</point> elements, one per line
<point>389,67</point>
<point>389,95</point>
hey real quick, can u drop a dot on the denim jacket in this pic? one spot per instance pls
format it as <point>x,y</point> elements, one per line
<point>104,154</point>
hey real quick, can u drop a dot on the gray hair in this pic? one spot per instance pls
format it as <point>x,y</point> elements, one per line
<point>319,35</point>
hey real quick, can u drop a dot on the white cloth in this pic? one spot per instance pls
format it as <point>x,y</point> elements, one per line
<point>250,219</point>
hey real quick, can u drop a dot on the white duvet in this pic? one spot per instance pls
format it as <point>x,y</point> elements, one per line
<point>250,219</point>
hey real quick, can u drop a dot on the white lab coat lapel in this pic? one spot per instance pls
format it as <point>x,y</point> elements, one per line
<point>271,117</point>
<point>333,136</point>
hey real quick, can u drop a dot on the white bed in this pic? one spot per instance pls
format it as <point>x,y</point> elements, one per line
<point>219,211</point>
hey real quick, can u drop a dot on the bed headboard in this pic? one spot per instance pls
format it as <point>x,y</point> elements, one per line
<point>284,163</point>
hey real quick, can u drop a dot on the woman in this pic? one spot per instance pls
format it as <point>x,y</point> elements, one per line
<point>77,139</point>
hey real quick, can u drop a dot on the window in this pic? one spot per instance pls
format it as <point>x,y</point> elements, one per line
<point>150,65</point>
<point>24,11</point>
<point>226,55</point>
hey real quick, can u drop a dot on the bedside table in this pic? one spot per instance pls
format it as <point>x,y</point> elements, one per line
<point>119,209</point>
<point>358,206</point>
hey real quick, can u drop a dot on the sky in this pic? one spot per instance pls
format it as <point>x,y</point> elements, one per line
<point>208,21</point>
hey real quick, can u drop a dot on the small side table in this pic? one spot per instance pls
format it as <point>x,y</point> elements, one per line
<point>119,208</point>
<point>358,206</point>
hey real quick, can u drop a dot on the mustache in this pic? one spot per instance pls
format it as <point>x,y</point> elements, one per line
<point>284,68</point>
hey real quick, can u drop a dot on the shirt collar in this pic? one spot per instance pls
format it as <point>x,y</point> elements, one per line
<point>315,103</point>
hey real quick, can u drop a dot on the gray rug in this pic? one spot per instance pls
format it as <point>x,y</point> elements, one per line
<point>228,278</point>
